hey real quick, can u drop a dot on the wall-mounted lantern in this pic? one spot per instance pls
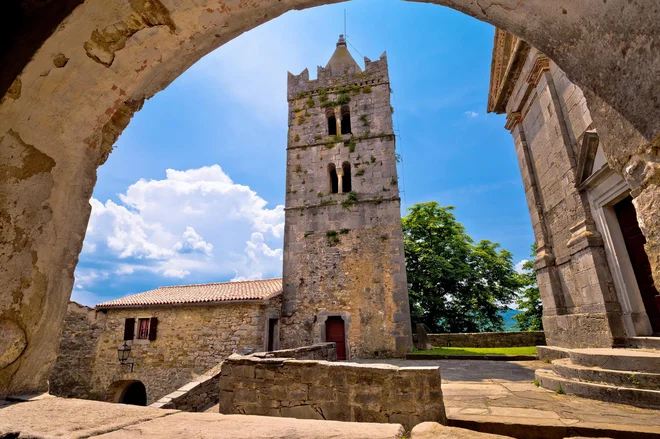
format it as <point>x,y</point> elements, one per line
<point>124,352</point>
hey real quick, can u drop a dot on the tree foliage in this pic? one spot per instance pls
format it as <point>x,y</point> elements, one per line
<point>529,299</point>
<point>454,284</point>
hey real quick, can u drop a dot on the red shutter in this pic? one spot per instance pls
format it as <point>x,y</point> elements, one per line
<point>153,325</point>
<point>129,329</point>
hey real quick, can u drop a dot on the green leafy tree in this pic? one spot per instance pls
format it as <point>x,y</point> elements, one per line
<point>454,284</point>
<point>529,299</point>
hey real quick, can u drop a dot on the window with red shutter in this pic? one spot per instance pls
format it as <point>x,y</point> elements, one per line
<point>129,329</point>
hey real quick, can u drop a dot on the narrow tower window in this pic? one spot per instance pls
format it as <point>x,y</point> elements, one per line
<point>345,120</point>
<point>334,181</point>
<point>332,122</point>
<point>346,178</point>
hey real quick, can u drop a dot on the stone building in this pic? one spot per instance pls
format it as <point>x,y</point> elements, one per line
<point>594,274</point>
<point>175,334</point>
<point>344,268</point>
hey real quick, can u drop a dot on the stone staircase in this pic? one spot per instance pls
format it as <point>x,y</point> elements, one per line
<point>625,376</point>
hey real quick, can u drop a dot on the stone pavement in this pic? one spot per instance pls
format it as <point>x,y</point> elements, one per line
<point>500,397</point>
<point>54,417</point>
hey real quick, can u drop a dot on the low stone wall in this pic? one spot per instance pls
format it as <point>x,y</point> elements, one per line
<point>196,396</point>
<point>202,393</point>
<point>488,339</point>
<point>334,391</point>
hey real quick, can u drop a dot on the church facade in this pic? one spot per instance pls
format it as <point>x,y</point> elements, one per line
<point>593,271</point>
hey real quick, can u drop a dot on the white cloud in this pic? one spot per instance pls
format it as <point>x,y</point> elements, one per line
<point>260,259</point>
<point>519,266</point>
<point>471,114</point>
<point>196,221</point>
<point>180,274</point>
<point>192,243</point>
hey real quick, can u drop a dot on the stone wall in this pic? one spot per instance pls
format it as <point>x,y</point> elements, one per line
<point>195,396</point>
<point>190,341</point>
<point>333,391</point>
<point>202,392</point>
<point>488,339</point>
<point>72,374</point>
<point>343,252</point>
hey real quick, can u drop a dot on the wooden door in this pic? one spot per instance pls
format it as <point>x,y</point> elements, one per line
<point>334,332</point>
<point>635,240</point>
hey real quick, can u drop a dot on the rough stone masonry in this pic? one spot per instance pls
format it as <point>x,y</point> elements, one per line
<point>307,389</point>
<point>59,119</point>
<point>343,244</point>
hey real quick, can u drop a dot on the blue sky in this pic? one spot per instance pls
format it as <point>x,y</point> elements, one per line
<point>193,191</point>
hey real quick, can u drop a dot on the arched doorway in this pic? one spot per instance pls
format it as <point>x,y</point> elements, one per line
<point>66,125</point>
<point>131,392</point>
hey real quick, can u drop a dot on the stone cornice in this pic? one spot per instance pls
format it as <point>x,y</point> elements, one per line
<point>512,120</point>
<point>509,54</point>
<point>344,138</point>
<point>375,200</point>
<point>541,65</point>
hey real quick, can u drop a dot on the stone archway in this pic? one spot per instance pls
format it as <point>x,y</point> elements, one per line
<point>76,93</point>
<point>131,392</point>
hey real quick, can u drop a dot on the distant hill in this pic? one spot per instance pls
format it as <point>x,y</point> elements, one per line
<point>509,321</point>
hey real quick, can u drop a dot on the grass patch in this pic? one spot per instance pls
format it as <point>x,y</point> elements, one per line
<point>523,350</point>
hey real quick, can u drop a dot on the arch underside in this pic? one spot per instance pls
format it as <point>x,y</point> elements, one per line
<point>62,114</point>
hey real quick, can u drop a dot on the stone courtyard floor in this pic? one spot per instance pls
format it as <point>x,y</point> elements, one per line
<point>500,397</point>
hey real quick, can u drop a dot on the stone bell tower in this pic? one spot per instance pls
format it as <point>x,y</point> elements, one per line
<point>344,269</point>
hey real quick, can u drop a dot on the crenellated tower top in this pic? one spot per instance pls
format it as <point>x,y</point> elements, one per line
<point>342,70</point>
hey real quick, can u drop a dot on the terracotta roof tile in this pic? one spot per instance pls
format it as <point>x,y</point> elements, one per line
<point>201,293</point>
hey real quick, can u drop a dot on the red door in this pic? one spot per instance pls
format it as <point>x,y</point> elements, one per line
<point>635,240</point>
<point>334,332</point>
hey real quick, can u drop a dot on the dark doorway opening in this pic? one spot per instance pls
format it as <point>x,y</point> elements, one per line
<point>335,332</point>
<point>635,240</point>
<point>272,328</point>
<point>134,394</point>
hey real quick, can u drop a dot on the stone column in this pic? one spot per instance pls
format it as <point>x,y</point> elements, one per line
<point>546,269</point>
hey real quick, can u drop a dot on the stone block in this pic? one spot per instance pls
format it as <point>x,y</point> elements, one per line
<point>433,430</point>
<point>300,412</point>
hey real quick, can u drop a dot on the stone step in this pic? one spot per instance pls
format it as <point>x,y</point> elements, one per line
<point>634,380</point>
<point>601,392</point>
<point>549,353</point>
<point>644,342</point>
<point>635,360</point>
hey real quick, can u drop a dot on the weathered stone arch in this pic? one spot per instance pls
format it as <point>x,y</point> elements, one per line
<point>67,102</point>
<point>127,392</point>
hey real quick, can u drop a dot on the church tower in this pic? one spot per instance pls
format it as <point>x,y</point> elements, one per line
<point>344,269</point>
